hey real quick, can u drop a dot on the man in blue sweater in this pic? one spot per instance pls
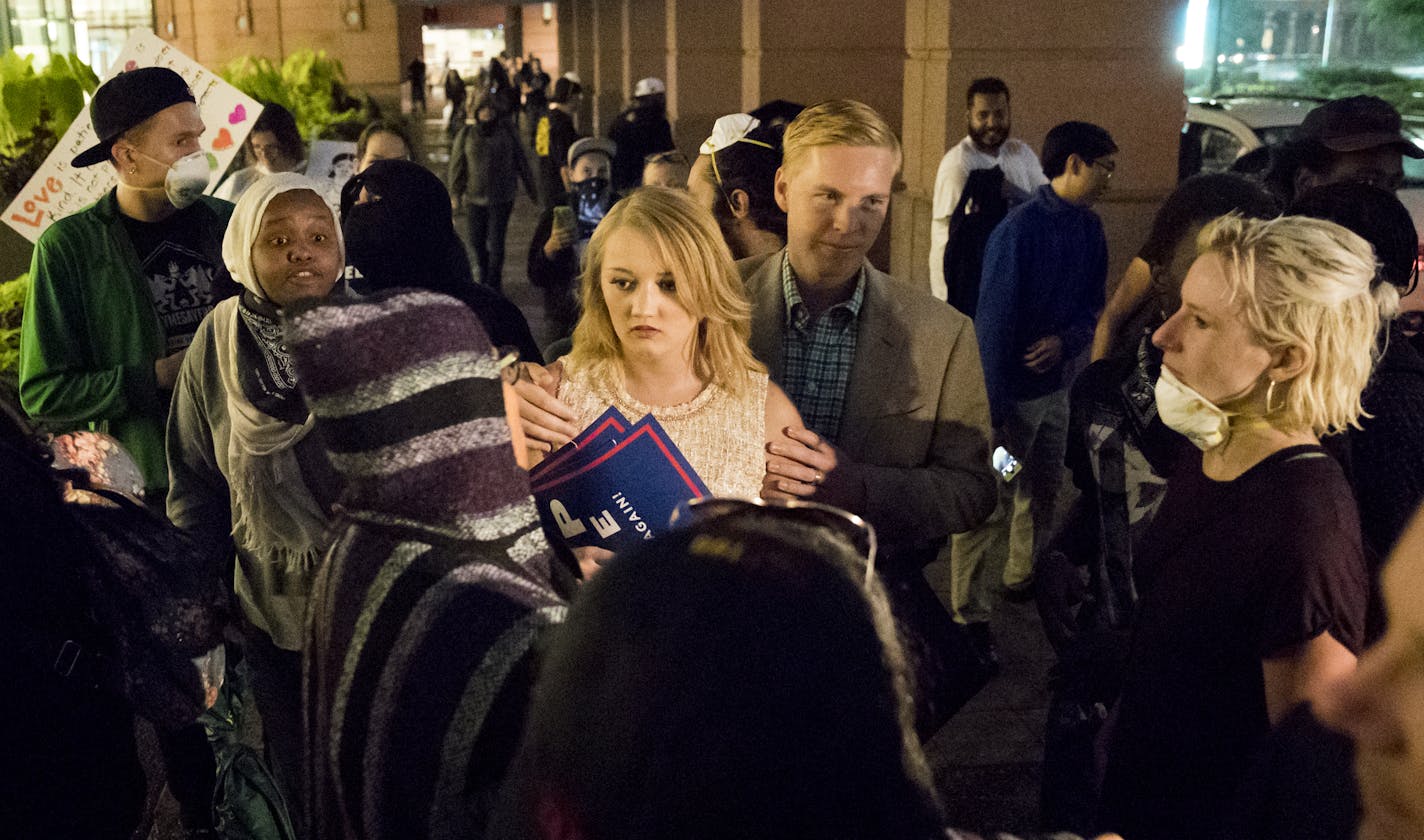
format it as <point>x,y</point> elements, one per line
<point>1042,288</point>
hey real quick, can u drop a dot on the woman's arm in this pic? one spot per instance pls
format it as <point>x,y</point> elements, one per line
<point>1136,282</point>
<point>1303,673</point>
<point>780,413</point>
<point>795,466</point>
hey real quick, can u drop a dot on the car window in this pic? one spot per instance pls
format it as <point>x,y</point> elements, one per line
<point>1275,135</point>
<point>1219,149</point>
<point>1414,169</point>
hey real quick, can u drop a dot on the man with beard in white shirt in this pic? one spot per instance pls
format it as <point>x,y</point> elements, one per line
<point>987,145</point>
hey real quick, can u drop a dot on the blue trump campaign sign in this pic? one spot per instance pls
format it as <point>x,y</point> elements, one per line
<point>614,485</point>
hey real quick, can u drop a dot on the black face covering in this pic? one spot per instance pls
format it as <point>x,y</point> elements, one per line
<point>591,198</point>
<point>403,235</point>
<point>365,250</point>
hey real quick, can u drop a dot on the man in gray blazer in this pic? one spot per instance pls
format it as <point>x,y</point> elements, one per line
<point>886,377</point>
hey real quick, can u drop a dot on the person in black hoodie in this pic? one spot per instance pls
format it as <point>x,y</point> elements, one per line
<point>641,130</point>
<point>399,232</point>
<point>502,93</point>
<point>535,86</point>
<point>486,164</point>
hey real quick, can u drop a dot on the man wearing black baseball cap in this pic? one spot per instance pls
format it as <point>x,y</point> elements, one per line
<point>1358,139</point>
<point>120,286</point>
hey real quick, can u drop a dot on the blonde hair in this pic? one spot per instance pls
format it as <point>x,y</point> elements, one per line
<point>707,285</point>
<point>837,122</point>
<point>1305,283</point>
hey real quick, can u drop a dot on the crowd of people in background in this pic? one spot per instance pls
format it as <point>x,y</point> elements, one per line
<point>319,400</point>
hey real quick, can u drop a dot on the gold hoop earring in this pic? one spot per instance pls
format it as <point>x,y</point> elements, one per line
<point>1271,392</point>
<point>133,170</point>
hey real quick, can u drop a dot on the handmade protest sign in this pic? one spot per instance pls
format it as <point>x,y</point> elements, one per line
<point>332,161</point>
<point>58,189</point>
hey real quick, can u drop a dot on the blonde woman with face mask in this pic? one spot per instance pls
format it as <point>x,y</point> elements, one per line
<point>1252,579</point>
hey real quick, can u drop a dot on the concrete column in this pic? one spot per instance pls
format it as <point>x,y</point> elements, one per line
<point>582,59</point>
<point>568,47</point>
<point>834,49</point>
<point>645,47</point>
<point>843,49</point>
<point>934,121</point>
<point>1292,28</point>
<point>704,64</point>
<point>514,29</point>
<point>609,92</point>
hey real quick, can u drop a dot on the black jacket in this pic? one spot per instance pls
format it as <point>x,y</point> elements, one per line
<point>639,131</point>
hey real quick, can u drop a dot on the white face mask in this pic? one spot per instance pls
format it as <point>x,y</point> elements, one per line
<point>187,178</point>
<point>1189,413</point>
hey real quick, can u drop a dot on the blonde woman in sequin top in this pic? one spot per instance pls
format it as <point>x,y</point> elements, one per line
<point>664,332</point>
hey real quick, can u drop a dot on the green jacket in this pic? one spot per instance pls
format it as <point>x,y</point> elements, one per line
<point>90,333</point>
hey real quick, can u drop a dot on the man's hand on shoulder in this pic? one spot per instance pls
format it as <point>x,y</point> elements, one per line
<point>797,465</point>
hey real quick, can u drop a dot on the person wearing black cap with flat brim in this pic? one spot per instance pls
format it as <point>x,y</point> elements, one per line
<point>118,290</point>
<point>1358,139</point>
<point>120,286</point>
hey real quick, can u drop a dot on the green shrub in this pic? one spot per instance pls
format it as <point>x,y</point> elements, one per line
<point>36,109</point>
<point>309,83</point>
<point>12,306</point>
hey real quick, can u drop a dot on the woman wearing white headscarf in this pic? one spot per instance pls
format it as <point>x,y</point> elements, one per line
<point>245,474</point>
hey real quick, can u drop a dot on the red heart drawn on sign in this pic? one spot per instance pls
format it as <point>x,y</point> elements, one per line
<point>130,64</point>
<point>238,114</point>
<point>223,141</point>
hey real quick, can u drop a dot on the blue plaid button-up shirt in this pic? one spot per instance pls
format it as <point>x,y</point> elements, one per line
<point>818,354</point>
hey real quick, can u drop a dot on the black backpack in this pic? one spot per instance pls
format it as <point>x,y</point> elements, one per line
<point>981,207</point>
<point>154,601</point>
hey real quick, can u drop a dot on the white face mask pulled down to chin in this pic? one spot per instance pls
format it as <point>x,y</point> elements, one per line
<point>187,177</point>
<point>1190,414</point>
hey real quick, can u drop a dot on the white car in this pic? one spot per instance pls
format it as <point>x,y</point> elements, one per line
<point>1218,132</point>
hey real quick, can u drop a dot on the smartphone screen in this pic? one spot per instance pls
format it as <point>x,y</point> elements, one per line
<point>564,218</point>
<point>1007,465</point>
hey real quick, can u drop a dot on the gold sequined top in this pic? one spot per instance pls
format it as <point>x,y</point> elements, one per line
<point>723,437</point>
